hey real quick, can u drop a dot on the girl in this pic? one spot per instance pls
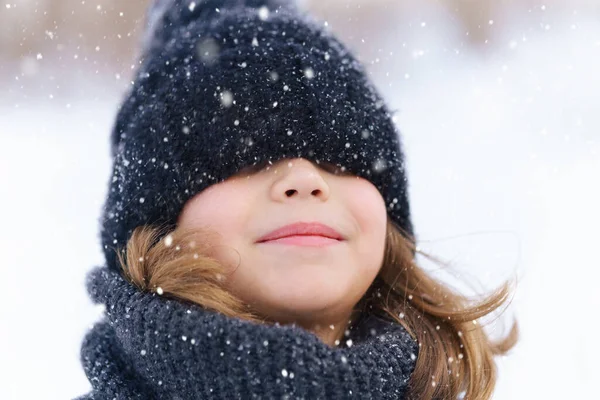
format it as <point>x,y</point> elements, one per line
<point>257,229</point>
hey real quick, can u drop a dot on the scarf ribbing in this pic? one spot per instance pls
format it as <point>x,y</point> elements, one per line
<point>148,346</point>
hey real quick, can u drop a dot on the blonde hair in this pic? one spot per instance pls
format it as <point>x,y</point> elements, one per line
<point>455,355</point>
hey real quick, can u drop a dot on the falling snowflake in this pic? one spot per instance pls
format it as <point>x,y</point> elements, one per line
<point>208,50</point>
<point>226,98</point>
<point>379,165</point>
<point>309,73</point>
<point>263,13</point>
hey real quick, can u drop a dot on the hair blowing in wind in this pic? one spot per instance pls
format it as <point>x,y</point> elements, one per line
<point>456,355</point>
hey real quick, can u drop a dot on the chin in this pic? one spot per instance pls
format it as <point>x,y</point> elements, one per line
<point>301,305</point>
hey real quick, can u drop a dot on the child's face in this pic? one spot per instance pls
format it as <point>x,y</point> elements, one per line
<point>291,282</point>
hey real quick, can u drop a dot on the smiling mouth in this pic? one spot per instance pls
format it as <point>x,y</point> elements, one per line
<point>304,240</point>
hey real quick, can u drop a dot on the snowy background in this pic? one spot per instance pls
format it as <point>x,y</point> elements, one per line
<point>498,105</point>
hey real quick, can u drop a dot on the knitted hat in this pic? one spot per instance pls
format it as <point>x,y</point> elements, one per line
<point>228,84</point>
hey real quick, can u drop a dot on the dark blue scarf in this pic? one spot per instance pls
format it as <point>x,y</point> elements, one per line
<point>151,347</point>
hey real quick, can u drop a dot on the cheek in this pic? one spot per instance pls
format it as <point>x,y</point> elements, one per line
<point>221,208</point>
<point>369,211</point>
<point>365,203</point>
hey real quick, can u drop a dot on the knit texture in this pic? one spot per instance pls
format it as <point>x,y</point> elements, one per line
<point>223,85</point>
<point>148,347</point>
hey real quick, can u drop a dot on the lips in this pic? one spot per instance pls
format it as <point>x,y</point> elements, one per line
<point>302,229</point>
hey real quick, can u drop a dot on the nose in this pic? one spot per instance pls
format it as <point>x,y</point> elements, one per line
<point>299,178</point>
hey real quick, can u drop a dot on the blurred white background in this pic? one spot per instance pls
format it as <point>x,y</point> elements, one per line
<point>497,103</point>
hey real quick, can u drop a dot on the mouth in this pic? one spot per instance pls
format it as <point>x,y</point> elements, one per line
<point>303,240</point>
<point>304,233</point>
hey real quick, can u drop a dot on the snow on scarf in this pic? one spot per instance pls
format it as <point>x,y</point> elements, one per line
<point>147,347</point>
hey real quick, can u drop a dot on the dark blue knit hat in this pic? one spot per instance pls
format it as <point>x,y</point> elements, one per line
<point>223,85</point>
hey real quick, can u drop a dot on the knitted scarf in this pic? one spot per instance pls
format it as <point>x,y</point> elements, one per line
<point>148,346</point>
